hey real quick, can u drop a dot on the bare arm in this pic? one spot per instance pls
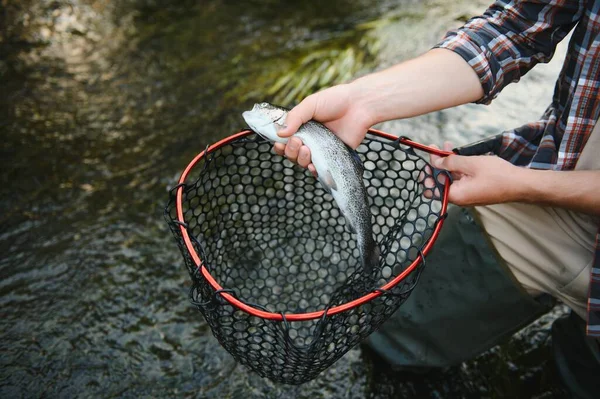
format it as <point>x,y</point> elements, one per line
<point>436,80</point>
<point>475,69</point>
<point>472,63</point>
<point>576,190</point>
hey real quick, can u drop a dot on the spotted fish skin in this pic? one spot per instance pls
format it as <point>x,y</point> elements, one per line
<point>339,170</point>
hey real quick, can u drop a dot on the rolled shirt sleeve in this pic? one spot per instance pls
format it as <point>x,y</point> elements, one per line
<point>510,38</point>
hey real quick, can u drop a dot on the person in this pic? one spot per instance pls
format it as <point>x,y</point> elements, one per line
<point>526,222</point>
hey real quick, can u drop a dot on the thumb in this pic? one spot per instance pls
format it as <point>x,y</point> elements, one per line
<point>299,115</point>
<point>453,163</point>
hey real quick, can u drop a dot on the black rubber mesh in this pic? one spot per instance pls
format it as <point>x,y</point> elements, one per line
<point>272,237</point>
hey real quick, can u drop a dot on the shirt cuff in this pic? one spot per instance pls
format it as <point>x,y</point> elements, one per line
<point>478,56</point>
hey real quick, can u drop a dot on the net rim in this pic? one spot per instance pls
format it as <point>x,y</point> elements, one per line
<point>320,313</point>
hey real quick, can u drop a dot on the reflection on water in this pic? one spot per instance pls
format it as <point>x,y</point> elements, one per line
<point>103,103</point>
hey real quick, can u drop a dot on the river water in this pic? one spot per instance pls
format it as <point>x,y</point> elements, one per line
<point>102,105</point>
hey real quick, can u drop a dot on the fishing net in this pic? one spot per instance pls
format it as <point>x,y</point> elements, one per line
<point>276,272</point>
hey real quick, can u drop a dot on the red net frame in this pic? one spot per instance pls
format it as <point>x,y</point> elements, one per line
<point>242,326</point>
<point>312,315</point>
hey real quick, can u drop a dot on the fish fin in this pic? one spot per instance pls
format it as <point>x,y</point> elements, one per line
<point>348,222</point>
<point>355,158</point>
<point>352,229</point>
<point>327,179</point>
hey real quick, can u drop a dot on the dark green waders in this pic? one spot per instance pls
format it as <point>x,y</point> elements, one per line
<point>466,301</point>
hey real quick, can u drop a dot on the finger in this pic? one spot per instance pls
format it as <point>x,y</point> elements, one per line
<point>430,181</point>
<point>313,170</point>
<point>431,190</point>
<point>304,156</point>
<point>299,115</point>
<point>279,149</point>
<point>292,148</point>
<point>453,163</point>
<point>433,157</point>
<point>426,177</point>
<point>447,147</point>
<point>459,193</point>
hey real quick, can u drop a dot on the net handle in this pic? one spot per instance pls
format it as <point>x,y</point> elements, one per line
<point>317,314</point>
<point>407,141</point>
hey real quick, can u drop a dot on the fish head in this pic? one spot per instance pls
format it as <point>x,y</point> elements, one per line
<point>266,120</point>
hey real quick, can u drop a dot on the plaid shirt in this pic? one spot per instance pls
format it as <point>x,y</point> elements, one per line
<point>506,42</point>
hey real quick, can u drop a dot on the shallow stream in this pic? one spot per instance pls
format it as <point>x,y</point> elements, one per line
<point>103,103</point>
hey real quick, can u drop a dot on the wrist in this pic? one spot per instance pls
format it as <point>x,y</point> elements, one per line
<point>362,98</point>
<point>526,185</point>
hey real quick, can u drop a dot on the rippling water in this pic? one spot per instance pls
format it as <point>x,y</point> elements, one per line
<point>104,102</point>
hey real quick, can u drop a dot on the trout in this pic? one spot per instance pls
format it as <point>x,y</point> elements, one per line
<point>339,169</point>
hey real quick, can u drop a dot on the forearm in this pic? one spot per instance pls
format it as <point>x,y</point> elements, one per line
<point>436,80</point>
<point>575,190</point>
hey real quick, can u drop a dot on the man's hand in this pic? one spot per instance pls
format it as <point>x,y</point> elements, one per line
<point>481,180</point>
<point>338,108</point>
<point>486,180</point>
<point>436,80</point>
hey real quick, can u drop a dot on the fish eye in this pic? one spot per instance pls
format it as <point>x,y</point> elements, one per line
<point>263,105</point>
